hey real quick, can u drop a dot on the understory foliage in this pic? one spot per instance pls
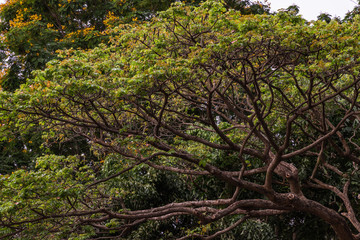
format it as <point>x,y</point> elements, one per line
<point>208,124</point>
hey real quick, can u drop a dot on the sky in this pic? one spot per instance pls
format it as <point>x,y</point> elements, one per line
<point>310,9</point>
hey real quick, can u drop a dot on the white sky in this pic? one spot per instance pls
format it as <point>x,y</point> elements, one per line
<point>310,9</point>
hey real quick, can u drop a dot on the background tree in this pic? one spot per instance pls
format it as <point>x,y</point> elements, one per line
<point>353,13</point>
<point>248,7</point>
<point>324,17</point>
<point>246,117</point>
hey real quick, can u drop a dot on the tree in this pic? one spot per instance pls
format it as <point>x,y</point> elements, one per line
<point>248,7</point>
<point>243,117</point>
<point>32,32</point>
<point>350,16</point>
<point>324,17</point>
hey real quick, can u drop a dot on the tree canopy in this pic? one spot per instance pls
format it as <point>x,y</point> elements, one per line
<point>33,31</point>
<point>204,120</point>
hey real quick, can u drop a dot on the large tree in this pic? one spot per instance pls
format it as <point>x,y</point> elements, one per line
<point>204,119</point>
<point>32,32</point>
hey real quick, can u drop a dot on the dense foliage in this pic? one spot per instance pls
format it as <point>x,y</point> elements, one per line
<point>33,31</point>
<point>208,124</point>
